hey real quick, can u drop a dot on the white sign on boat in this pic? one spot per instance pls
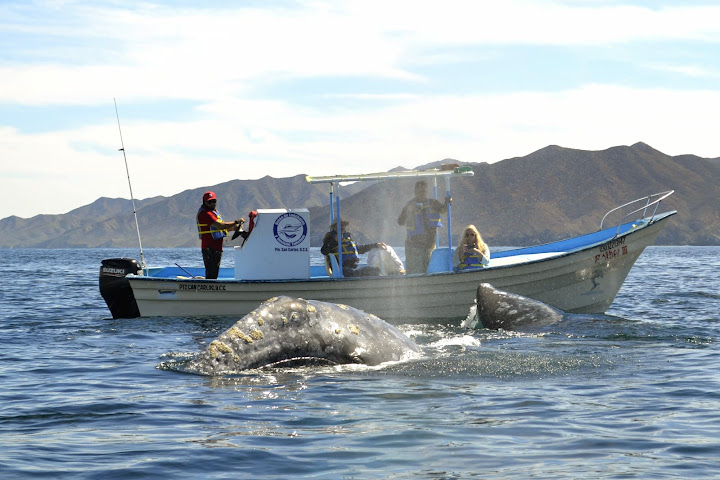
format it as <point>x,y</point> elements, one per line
<point>277,248</point>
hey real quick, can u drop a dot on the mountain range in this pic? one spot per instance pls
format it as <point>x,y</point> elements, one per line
<point>550,194</point>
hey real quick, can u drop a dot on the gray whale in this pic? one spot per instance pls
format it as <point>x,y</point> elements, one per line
<point>497,309</point>
<point>292,331</point>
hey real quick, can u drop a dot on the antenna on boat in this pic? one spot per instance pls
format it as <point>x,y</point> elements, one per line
<point>132,198</point>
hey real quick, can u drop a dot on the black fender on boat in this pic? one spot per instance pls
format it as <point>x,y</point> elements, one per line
<point>115,288</point>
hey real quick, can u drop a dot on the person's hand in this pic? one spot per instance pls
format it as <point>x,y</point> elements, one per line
<point>237,225</point>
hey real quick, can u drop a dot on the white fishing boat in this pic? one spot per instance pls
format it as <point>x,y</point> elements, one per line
<point>580,275</point>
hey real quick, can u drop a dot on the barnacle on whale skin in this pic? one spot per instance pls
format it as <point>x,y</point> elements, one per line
<point>235,332</point>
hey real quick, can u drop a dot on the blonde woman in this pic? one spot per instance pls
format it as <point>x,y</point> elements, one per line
<point>472,252</point>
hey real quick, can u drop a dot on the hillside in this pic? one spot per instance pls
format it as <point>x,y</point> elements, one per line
<point>552,193</point>
<point>163,222</point>
<point>555,193</point>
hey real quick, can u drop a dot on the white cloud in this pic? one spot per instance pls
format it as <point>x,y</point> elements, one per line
<point>86,53</point>
<point>159,52</point>
<point>696,71</point>
<point>251,140</point>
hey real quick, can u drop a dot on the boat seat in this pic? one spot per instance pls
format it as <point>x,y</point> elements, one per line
<point>439,261</point>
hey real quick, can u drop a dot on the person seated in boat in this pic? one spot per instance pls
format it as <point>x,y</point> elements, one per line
<point>472,251</point>
<point>350,251</point>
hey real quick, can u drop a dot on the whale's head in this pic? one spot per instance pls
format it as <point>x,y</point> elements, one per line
<point>286,331</point>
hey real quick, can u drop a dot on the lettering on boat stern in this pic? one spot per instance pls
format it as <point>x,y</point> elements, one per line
<point>611,250</point>
<point>201,287</point>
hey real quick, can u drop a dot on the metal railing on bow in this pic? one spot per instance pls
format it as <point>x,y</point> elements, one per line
<point>650,200</point>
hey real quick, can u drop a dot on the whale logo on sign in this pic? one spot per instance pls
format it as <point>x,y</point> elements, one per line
<point>290,229</point>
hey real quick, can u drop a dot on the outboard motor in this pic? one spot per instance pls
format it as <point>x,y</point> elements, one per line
<point>115,288</point>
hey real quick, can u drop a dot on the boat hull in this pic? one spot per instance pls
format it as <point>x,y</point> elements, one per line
<point>582,281</point>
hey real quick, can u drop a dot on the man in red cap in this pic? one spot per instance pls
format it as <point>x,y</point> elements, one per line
<point>212,229</point>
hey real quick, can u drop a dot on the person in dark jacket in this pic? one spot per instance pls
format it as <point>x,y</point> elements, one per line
<point>350,251</point>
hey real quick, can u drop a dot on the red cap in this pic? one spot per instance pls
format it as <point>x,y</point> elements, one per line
<point>209,196</point>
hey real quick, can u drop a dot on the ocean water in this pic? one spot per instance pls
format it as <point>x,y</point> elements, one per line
<point>634,393</point>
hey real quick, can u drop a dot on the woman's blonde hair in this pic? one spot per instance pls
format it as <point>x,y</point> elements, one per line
<point>471,228</point>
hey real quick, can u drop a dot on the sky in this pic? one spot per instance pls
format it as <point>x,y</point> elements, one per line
<point>208,92</point>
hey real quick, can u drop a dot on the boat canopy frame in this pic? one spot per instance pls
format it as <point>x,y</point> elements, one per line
<point>447,171</point>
